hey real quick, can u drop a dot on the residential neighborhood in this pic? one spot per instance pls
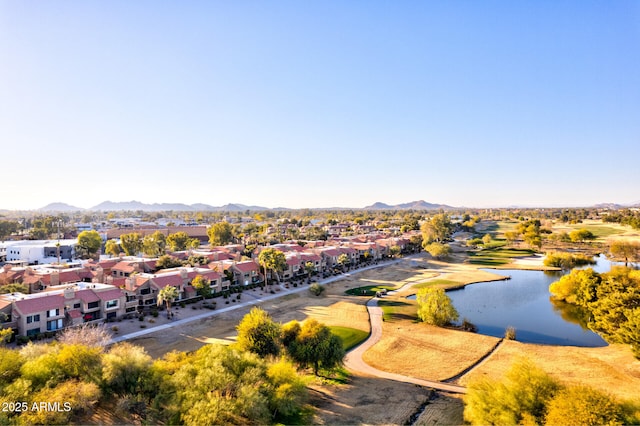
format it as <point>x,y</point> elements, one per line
<point>59,289</point>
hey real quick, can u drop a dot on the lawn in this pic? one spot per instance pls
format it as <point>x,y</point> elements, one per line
<point>350,336</point>
<point>369,290</point>
<point>437,282</point>
<point>599,230</point>
<point>497,256</point>
<point>393,309</point>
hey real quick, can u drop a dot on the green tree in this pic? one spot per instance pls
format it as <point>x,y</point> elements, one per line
<point>289,389</point>
<point>8,227</point>
<point>180,241</point>
<point>221,385</point>
<point>131,243</point>
<point>316,346</point>
<point>125,368</point>
<point>167,262</point>
<point>154,244</point>
<point>272,260</point>
<point>316,289</point>
<point>627,250</point>
<point>578,287</point>
<point>258,333</point>
<point>583,405</point>
<point>112,248</point>
<point>437,229</point>
<point>13,288</point>
<point>343,260</point>
<point>10,364</point>
<point>435,307</point>
<point>520,398</point>
<point>581,235</point>
<point>167,295</point>
<point>220,234</point>
<point>89,243</point>
<point>202,286</point>
<point>309,268</point>
<point>438,250</point>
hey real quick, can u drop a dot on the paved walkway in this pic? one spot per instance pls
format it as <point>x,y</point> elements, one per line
<point>256,300</point>
<point>353,361</point>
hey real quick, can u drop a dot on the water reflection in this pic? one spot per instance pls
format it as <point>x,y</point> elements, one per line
<point>524,302</point>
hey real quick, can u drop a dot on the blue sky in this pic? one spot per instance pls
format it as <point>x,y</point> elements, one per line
<point>320,103</point>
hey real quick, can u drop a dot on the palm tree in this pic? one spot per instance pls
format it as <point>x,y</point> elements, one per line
<point>272,259</point>
<point>309,268</point>
<point>167,295</point>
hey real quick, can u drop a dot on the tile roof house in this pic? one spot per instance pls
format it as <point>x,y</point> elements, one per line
<point>64,306</point>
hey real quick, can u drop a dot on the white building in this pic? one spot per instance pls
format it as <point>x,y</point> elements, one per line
<point>37,252</point>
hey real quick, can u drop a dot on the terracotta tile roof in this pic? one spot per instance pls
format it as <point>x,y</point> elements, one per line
<point>108,264</point>
<point>246,266</point>
<point>293,260</point>
<point>125,266</point>
<point>31,279</point>
<point>310,257</point>
<point>39,304</point>
<point>119,282</point>
<point>69,277</point>
<point>163,281</point>
<point>112,294</point>
<point>87,296</point>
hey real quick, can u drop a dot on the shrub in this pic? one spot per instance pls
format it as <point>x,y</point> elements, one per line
<point>469,326</point>
<point>510,333</point>
<point>316,289</point>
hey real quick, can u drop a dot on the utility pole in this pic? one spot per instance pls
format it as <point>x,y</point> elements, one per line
<point>58,245</point>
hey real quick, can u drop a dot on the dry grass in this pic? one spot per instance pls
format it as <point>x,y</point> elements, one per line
<point>612,368</point>
<point>366,400</point>
<point>427,352</point>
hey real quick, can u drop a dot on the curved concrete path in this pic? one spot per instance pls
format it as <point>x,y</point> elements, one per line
<point>353,361</point>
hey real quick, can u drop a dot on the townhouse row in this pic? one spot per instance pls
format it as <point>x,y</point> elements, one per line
<point>113,288</point>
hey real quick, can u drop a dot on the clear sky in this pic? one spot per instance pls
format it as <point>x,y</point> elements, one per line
<point>319,103</point>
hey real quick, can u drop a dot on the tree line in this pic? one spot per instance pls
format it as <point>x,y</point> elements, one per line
<point>611,301</point>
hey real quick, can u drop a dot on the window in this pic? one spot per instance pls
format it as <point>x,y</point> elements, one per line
<point>112,304</point>
<point>53,313</point>
<point>33,318</point>
<point>145,291</point>
<point>76,306</point>
<point>54,325</point>
<point>33,332</point>
<point>93,305</point>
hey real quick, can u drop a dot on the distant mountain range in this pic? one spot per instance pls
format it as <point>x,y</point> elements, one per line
<point>235,207</point>
<point>413,205</point>
<point>137,205</point>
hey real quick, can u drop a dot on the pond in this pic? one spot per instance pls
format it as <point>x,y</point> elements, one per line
<point>523,302</point>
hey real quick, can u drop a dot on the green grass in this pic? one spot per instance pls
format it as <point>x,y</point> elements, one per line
<point>368,290</point>
<point>599,230</point>
<point>497,256</point>
<point>396,309</point>
<point>350,336</point>
<point>439,282</point>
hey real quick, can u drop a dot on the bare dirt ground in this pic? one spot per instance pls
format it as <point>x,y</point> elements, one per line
<point>367,400</point>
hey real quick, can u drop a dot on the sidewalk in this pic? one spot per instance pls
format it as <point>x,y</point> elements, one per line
<point>131,329</point>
